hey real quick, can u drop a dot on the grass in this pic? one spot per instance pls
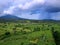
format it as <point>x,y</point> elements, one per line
<point>28,33</point>
<point>44,37</point>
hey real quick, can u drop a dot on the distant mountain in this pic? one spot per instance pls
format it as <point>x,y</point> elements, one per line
<point>10,17</point>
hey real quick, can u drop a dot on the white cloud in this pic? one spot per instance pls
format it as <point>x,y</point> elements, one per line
<point>25,6</point>
<point>35,7</point>
<point>9,11</point>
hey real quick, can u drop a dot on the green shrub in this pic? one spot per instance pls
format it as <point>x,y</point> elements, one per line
<point>5,35</point>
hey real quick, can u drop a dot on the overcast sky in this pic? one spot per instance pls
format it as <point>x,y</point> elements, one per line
<point>31,9</point>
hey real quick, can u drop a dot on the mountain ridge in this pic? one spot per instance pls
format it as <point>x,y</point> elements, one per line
<point>13,17</point>
<point>10,17</point>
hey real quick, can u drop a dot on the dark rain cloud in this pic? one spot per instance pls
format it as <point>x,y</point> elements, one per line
<point>32,9</point>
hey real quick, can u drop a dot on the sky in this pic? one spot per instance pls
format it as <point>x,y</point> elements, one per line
<point>31,9</point>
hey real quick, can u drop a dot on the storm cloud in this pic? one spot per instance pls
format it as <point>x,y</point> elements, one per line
<point>31,9</point>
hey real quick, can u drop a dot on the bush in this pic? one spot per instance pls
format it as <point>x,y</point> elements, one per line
<point>6,35</point>
<point>37,29</point>
<point>22,43</point>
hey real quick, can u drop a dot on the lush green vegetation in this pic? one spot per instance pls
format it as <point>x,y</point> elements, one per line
<point>29,33</point>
